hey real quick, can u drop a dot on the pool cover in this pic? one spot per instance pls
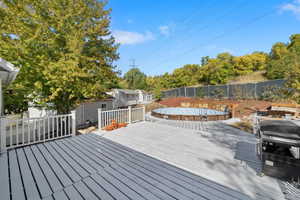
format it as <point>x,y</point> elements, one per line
<point>188,111</point>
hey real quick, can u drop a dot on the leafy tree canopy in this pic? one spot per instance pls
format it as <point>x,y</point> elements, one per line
<point>63,47</point>
<point>135,79</point>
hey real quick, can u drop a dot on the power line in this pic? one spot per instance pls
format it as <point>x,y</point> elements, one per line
<point>221,35</point>
<point>218,18</point>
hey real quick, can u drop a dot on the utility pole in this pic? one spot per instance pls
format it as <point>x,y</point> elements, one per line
<point>132,65</point>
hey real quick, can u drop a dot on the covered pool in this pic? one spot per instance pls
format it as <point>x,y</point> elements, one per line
<point>195,114</point>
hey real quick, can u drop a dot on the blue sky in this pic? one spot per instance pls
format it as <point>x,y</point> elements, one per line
<point>166,34</point>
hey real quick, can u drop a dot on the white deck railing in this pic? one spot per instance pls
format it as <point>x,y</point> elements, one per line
<point>129,115</point>
<point>26,131</point>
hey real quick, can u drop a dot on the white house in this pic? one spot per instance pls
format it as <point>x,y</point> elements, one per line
<point>124,98</point>
<point>7,74</point>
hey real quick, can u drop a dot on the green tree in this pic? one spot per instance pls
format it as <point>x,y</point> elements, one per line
<point>186,75</point>
<point>136,79</point>
<point>278,60</point>
<point>64,48</point>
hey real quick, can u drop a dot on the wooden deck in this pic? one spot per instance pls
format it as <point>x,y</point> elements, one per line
<point>92,167</point>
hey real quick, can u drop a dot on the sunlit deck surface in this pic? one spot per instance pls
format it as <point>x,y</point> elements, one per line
<point>92,167</point>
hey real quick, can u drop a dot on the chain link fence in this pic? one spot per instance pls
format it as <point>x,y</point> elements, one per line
<point>230,91</point>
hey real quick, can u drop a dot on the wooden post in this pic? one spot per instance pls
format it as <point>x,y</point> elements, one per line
<point>144,113</point>
<point>3,134</point>
<point>129,115</point>
<point>99,118</point>
<point>73,114</point>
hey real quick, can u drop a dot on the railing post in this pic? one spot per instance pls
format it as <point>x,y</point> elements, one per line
<point>144,113</point>
<point>129,114</point>
<point>99,118</point>
<point>3,134</point>
<point>73,114</point>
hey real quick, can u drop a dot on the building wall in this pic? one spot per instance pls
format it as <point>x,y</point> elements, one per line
<point>87,113</point>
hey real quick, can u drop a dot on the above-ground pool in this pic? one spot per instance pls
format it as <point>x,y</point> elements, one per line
<point>191,114</point>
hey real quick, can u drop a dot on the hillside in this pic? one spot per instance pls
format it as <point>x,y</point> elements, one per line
<point>253,77</point>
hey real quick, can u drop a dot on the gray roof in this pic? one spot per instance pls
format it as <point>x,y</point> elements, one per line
<point>92,167</point>
<point>127,91</point>
<point>7,71</point>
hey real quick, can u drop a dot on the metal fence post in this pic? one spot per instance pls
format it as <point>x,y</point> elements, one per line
<point>227,91</point>
<point>3,134</point>
<point>255,92</point>
<point>208,95</point>
<point>73,114</point>
<point>129,114</point>
<point>185,91</point>
<point>99,118</point>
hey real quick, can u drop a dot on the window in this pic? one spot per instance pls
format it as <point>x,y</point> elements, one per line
<point>103,106</point>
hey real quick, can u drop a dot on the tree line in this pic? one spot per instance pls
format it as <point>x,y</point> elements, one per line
<point>282,62</point>
<point>65,52</point>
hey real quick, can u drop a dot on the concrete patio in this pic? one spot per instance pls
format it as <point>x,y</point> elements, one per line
<point>217,152</point>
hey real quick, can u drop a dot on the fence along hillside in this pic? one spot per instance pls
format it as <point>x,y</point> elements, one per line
<point>231,91</point>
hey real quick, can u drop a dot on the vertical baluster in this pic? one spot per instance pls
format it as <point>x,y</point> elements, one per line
<point>28,127</point>
<point>44,129</point>
<point>52,134</point>
<point>34,130</point>
<point>17,131</point>
<point>65,124</point>
<point>23,131</point>
<point>48,128</point>
<point>39,131</point>
<point>56,126</point>
<point>10,133</point>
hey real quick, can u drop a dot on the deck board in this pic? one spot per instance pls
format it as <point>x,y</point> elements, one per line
<point>17,190</point>
<point>63,163</point>
<point>47,170</point>
<point>4,180</point>
<point>198,181</point>
<point>91,167</point>
<point>193,185</point>
<point>97,189</point>
<point>72,193</point>
<point>77,168</point>
<point>40,179</point>
<point>63,177</point>
<point>28,180</point>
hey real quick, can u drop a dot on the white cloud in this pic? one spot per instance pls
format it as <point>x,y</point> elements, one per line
<point>164,30</point>
<point>129,38</point>
<point>293,7</point>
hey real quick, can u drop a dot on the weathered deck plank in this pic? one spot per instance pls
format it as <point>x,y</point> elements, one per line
<point>17,190</point>
<point>84,191</point>
<point>4,180</point>
<point>47,170</point>
<point>192,185</point>
<point>91,167</point>
<point>39,177</point>
<point>198,181</point>
<point>72,193</point>
<point>28,180</point>
<point>63,177</point>
<point>63,163</point>
<point>97,189</point>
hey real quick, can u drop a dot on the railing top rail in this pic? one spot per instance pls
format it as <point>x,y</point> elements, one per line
<point>38,118</point>
<point>137,108</point>
<point>115,110</point>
